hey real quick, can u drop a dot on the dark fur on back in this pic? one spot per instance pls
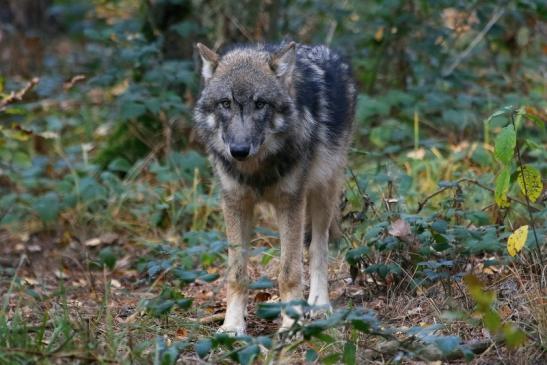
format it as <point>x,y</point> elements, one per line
<point>316,111</point>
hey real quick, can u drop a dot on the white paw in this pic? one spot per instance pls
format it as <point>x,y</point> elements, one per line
<point>232,330</point>
<point>320,305</point>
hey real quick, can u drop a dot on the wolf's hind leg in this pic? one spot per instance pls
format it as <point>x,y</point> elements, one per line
<point>238,217</point>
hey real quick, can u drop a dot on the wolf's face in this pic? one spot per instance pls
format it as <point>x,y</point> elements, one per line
<point>245,104</point>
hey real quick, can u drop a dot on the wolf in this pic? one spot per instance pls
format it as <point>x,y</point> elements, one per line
<point>276,121</point>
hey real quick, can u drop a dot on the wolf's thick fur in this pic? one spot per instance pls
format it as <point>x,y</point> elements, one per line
<point>277,122</point>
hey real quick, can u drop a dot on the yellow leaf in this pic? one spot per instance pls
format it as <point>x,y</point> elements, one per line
<point>516,240</point>
<point>379,34</point>
<point>534,184</point>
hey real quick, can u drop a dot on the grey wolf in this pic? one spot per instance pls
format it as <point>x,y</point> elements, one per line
<point>277,122</point>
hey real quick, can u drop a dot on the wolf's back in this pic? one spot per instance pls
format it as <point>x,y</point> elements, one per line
<point>325,88</point>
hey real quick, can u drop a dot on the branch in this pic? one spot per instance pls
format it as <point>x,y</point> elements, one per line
<point>474,182</point>
<point>460,57</point>
<point>18,96</point>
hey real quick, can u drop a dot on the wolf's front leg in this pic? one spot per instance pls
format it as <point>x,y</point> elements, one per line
<point>238,217</point>
<point>290,217</point>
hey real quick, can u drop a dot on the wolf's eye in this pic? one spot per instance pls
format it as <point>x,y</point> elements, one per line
<point>259,104</point>
<point>225,104</point>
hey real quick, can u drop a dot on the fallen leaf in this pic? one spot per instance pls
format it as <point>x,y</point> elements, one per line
<point>109,238</point>
<point>181,333</point>
<point>60,275</point>
<point>399,228</point>
<point>262,296</point>
<point>93,242</point>
<point>34,248</point>
<point>115,283</point>
<point>30,281</point>
<point>516,240</point>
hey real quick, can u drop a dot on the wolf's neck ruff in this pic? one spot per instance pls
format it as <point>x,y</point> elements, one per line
<point>272,169</point>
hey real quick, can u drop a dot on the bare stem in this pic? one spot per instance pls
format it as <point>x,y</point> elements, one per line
<point>528,206</point>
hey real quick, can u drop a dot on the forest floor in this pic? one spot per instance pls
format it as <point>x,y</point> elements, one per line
<point>48,280</point>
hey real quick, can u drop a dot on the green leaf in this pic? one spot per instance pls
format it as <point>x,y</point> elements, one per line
<point>514,337</point>
<point>361,325</point>
<point>203,347</point>
<point>47,207</point>
<point>186,276</point>
<point>354,255</point>
<point>160,308</point>
<point>492,320</point>
<point>209,277</point>
<point>268,310</point>
<point>262,283</point>
<point>108,257</point>
<point>311,355</point>
<point>349,353</point>
<point>248,354</point>
<point>331,359</point>
<point>504,146</point>
<point>184,303</point>
<point>22,159</point>
<point>131,110</point>
<point>532,178</point>
<point>502,111</point>
<point>502,188</point>
<point>447,344</point>
<point>119,164</point>
<point>171,354</point>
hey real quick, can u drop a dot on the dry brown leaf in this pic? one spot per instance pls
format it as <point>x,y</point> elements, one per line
<point>262,296</point>
<point>181,333</point>
<point>400,228</point>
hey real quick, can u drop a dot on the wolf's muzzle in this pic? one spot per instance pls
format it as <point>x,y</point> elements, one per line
<point>240,151</point>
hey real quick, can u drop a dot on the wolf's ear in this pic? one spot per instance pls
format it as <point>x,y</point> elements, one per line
<point>209,60</point>
<point>283,61</point>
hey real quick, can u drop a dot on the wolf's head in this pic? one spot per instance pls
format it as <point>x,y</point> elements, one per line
<point>246,101</point>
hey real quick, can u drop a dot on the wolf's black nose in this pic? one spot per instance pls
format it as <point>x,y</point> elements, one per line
<point>240,151</point>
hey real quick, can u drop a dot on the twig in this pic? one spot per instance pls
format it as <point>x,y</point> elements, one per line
<point>422,204</point>
<point>528,206</point>
<point>474,182</point>
<point>460,57</point>
<point>73,81</point>
<point>217,317</point>
<point>19,95</point>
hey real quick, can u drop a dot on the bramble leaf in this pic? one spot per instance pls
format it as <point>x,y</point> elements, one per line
<point>505,143</point>
<point>532,178</point>
<point>516,240</point>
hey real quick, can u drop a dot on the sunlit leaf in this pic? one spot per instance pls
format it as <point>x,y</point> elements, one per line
<point>516,240</point>
<point>532,178</point>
